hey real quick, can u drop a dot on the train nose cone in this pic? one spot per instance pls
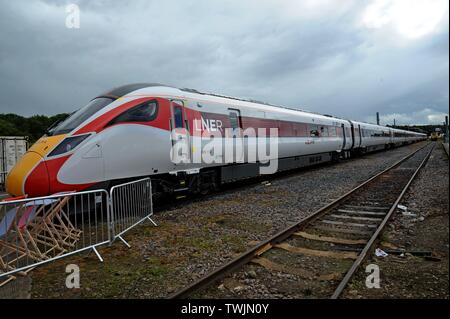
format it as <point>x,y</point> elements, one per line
<point>28,177</point>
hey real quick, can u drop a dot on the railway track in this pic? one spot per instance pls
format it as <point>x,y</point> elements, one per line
<point>325,249</point>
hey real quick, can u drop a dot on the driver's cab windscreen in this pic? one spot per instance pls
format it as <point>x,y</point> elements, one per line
<point>81,115</point>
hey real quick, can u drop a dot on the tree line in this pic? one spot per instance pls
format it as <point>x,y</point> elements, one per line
<point>33,127</point>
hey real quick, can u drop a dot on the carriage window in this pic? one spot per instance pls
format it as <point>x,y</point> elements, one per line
<point>178,116</point>
<point>323,131</point>
<point>143,112</point>
<point>332,131</point>
<point>314,131</point>
<point>234,120</point>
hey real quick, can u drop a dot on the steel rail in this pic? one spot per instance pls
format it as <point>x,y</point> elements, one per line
<point>247,256</point>
<point>375,235</point>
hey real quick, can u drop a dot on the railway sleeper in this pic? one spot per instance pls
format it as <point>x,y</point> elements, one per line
<point>341,231</point>
<point>341,216</point>
<point>274,266</point>
<point>299,272</point>
<point>360,212</point>
<point>358,207</point>
<point>334,222</point>
<point>316,253</point>
<point>329,239</point>
<point>323,243</point>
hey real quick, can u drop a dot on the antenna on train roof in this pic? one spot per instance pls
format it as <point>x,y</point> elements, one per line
<point>191,90</point>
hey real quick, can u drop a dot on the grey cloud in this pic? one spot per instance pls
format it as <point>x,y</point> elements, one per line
<point>316,58</point>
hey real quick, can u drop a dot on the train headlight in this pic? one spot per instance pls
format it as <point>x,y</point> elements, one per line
<point>68,144</point>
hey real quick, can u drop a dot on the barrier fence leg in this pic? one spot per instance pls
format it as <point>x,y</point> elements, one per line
<point>151,220</point>
<point>110,219</point>
<point>97,253</point>
<point>124,241</point>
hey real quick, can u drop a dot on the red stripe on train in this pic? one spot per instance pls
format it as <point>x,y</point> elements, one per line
<point>99,123</point>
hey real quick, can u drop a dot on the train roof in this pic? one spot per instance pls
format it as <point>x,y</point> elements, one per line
<point>120,91</point>
<point>126,89</point>
<point>371,125</point>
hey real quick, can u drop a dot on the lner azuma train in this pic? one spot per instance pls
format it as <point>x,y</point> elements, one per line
<point>126,133</point>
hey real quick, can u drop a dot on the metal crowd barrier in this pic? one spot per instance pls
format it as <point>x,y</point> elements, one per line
<point>131,204</point>
<point>34,231</point>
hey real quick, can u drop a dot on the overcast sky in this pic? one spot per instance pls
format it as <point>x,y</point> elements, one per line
<point>346,58</point>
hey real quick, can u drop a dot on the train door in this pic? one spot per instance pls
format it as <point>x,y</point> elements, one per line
<point>360,135</point>
<point>352,130</point>
<point>236,125</point>
<point>180,133</point>
<point>343,135</point>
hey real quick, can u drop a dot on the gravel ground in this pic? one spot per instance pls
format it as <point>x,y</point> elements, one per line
<point>195,237</point>
<point>426,230</point>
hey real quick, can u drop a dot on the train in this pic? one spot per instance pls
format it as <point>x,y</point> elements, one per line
<point>130,131</point>
<point>435,135</point>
